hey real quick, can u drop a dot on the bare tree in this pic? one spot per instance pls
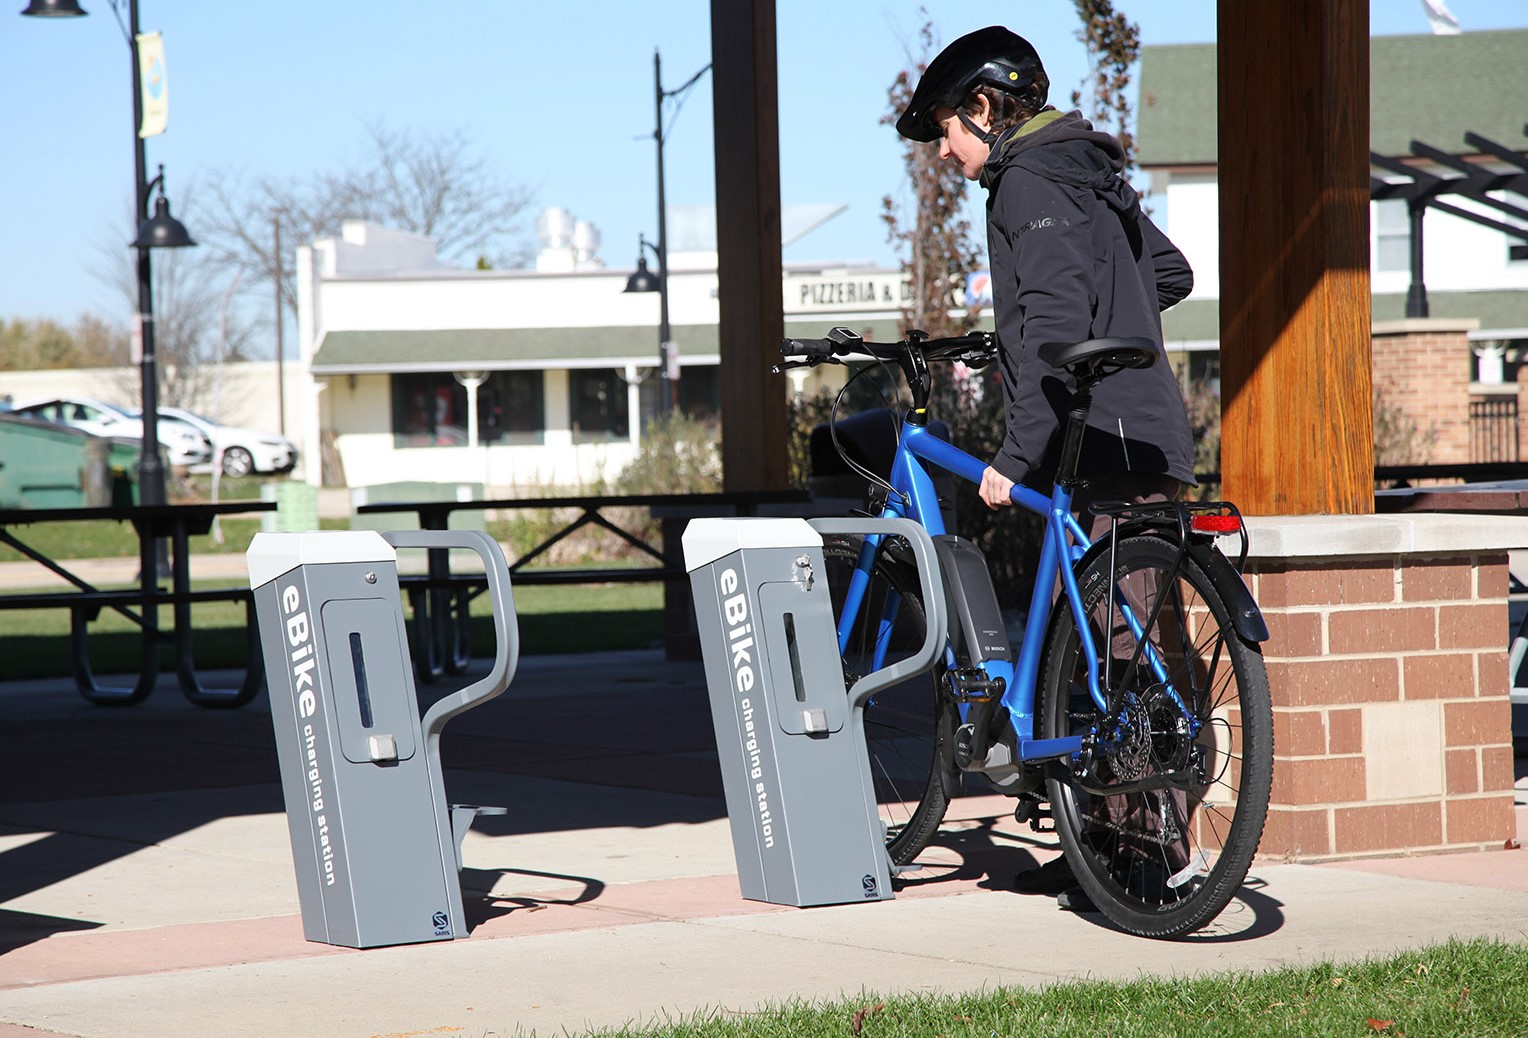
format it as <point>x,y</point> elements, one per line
<point>1114,44</point>
<point>193,329</point>
<point>436,185</point>
<point>938,250</point>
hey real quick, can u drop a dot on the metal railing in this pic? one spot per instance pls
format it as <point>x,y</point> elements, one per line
<point>1493,430</point>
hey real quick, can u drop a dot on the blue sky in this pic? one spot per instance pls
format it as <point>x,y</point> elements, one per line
<point>557,97</point>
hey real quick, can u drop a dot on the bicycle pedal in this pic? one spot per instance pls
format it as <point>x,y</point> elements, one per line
<point>970,685</point>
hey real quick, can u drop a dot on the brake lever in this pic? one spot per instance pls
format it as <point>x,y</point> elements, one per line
<point>785,365</point>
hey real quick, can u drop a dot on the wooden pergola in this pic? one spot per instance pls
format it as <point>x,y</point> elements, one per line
<point>1297,426</point>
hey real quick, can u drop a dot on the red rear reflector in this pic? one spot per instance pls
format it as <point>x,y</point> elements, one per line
<point>1215,523</point>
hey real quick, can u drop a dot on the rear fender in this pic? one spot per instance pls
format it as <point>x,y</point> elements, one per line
<point>1246,617</point>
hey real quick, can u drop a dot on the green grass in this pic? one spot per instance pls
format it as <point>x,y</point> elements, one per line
<point>553,619</point>
<point>1474,988</point>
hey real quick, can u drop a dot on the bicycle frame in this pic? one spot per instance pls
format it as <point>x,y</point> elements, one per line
<point>915,498</point>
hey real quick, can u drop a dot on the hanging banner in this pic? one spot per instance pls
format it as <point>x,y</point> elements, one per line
<point>152,85</point>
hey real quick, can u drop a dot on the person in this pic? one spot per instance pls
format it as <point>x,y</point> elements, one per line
<point>1072,257</point>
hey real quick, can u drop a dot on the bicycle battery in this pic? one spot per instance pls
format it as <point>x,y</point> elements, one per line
<point>976,623</point>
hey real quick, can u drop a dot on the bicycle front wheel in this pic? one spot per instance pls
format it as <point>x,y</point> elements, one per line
<point>910,727</point>
<point>1160,862</point>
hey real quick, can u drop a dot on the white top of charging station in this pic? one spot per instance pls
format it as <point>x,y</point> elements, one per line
<point>272,554</point>
<point>706,540</point>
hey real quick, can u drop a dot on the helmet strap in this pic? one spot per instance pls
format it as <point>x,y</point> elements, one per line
<point>987,137</point>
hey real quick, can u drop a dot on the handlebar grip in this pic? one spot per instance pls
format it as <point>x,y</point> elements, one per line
<point>816,349</point>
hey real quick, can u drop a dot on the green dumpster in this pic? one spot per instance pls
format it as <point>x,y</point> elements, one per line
<point>43,465</point>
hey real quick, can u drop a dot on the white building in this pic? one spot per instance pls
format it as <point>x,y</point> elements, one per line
<point>564,360</point>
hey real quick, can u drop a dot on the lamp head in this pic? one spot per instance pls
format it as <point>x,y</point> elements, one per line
<point>54,9</point>
<point>162,231</point>
<point>643,280</point>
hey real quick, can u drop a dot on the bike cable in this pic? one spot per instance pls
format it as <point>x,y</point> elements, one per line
<point>874,479</point>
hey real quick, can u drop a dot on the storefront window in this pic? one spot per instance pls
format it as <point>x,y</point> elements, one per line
<point>597,404</point>
<point>700,392</point>
<point>430,409</point>
<point>511,408</point>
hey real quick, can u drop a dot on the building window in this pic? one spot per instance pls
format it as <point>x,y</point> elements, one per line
<point>1392,235</point>
<point>597,405</point>
<point>1204,366</point>
<point>700,392</point>
<point>511,408</point>
<point>430,409</point>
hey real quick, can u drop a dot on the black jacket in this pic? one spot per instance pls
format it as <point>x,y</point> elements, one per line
<point>1074,258</point>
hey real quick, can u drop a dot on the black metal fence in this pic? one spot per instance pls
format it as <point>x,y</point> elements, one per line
<point>1493,429</point>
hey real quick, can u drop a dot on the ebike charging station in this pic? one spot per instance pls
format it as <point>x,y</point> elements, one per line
<point>376,847</point>
<point>789,735</point>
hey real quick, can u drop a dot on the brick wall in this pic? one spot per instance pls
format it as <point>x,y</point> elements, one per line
<point>1392,729</point>
<point>1422,369</point>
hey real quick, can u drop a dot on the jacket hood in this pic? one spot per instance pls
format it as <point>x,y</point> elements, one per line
<point>1064,147</point>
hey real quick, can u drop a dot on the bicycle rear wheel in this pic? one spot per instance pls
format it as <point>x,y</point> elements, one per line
<point>909,728</point>
<point>1161,862</point>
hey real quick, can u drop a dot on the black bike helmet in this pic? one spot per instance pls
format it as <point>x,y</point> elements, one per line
<point>994,56</point>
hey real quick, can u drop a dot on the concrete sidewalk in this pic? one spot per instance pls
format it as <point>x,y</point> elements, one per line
<point>146,884</point>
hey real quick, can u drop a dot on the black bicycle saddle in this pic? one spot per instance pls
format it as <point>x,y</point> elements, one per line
<point>1115,352</point>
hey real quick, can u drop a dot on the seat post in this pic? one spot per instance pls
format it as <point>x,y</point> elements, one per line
<point>1076,421</point>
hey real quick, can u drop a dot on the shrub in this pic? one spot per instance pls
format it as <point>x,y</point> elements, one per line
<point>679,454</point>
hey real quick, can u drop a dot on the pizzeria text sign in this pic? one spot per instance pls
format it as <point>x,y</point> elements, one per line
<point>857,292</point>
<point>847,292</point>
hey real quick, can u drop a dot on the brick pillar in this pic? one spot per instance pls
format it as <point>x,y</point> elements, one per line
<point>1422,369</point>
<point>1388,665</point>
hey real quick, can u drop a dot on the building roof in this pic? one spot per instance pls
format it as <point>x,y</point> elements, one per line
<point>1506,310</point>
<point>1427,88</point>
<point>494,349</point>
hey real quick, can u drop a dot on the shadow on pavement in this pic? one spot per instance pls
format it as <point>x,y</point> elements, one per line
<point>481,904</point>
<point>103,782</point>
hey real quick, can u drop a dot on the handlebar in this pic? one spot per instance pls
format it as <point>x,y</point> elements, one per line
<point>974,348</point>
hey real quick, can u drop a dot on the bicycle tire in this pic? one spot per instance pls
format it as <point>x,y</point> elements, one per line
<point>910,727</point>
<point>1163,863</point>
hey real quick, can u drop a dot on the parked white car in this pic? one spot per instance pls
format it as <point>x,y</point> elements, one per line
<point>244,451</point>
<point>184,446</point>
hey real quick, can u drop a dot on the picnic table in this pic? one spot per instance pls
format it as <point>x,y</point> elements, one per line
<point>440,598</point>
<point>154,525</point>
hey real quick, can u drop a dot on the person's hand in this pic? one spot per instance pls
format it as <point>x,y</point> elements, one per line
<point>996,489</point>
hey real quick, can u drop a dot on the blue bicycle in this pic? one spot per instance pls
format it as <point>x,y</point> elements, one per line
<point>1136,713</point>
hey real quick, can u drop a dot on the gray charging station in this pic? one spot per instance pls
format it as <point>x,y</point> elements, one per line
<point>789,735</point>
<point>376,847</point>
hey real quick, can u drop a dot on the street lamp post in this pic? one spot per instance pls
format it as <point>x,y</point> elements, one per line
<point>642,280</point>
<point>156,230</point>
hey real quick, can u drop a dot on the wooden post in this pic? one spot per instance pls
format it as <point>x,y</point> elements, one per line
<point>752,322</point>
<point>1297,431</point>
